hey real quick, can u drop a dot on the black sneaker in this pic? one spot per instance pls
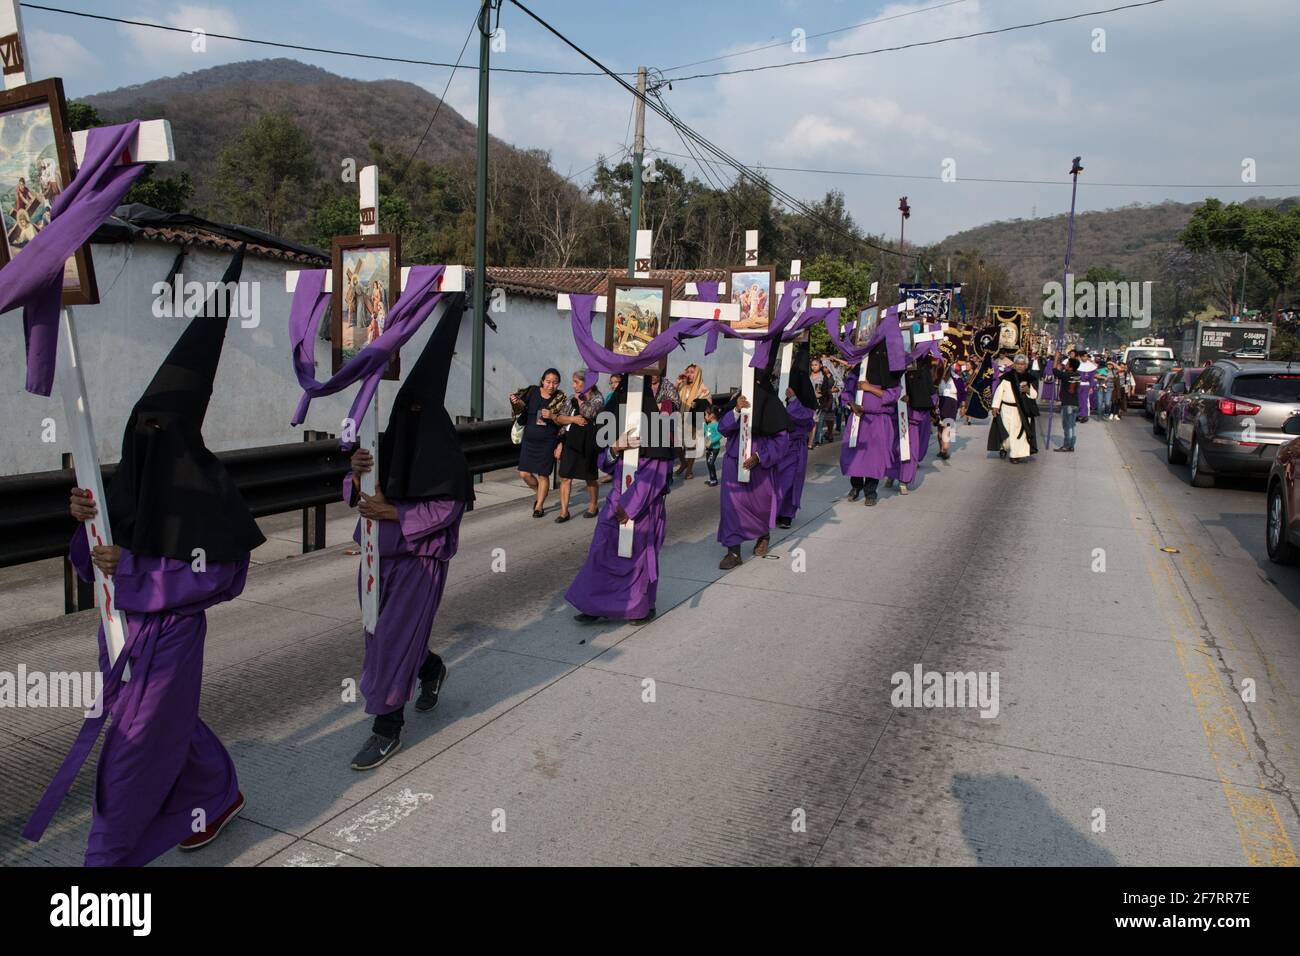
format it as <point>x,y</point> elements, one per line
<point>638,621</point>
<point>430,689</point>
<point>585,618</point>
<point>376,751</point>
<point>783,523</point>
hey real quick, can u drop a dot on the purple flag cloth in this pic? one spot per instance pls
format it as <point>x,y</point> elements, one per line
<point>159,761</point>
<point>674,337</point>
<point>747,509</point>
<point>33,279</point>
<point>930,348</point>
<point>310,300</point>
<point>416,550</point>
<point>417,300</point>
<point>794,462</point>
<point>625,588</point>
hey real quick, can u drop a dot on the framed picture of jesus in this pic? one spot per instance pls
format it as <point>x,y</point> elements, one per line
<point>636,311</point>
<point>37,163</point>
<point>754,290</point>
<point>367,279</point>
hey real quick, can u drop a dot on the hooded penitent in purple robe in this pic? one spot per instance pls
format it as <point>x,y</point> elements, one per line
<point>794,461</point>
<point>625,588</point>
<point>801,409</point>
<point>414,552</point>
<point>424,475</point>
<point>1086,395</point>
<point>877,446</point>
<point>748,509</point>
<point>160,762</point>
<point>172,508</point>
<point>918,384</point>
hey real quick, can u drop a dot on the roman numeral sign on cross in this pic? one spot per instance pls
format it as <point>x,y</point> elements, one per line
<point>152,144</point>
<point>367,435</point>
<point>677,309</point>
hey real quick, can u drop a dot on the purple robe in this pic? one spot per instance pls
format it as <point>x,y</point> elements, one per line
<point>918,437</point>
<point>1086,395</point>
<point>625,588</point>
<point>877,439</point>
<point>160,762</point>
<point>748,509</point>
<point>794,461</point>
<point>414,551</point>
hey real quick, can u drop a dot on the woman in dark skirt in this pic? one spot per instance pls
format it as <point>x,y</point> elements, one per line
<point>578,452</point>
<point>541,443</point>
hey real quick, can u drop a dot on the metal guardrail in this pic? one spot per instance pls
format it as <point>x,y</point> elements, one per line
<point>275,479</point>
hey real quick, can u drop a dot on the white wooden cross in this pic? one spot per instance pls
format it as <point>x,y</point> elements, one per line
<point>787,349</point>
<point>904,435</point>
<point>677,309</point>
<point>748,346</point>
<point>453,280</point>
<point>874,307</point>
<point>152,144</point>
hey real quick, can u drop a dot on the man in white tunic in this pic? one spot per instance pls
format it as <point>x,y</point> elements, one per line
<point>1015,407</point>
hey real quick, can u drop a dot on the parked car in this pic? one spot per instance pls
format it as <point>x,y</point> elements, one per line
<point>1145,371</point>
<point>1230,421</point>
<point>1149,402</point>
<point>1282,525</point>
<point>1178,383</point>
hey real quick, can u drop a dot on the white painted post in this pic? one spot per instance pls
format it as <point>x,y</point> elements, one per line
<point>787,348</point>
<point>635,386</point>
<point>152,144</point>
<point>746,416</point>
<point>904,438</point>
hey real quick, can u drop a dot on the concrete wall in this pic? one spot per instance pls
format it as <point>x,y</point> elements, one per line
<point>256,390</point>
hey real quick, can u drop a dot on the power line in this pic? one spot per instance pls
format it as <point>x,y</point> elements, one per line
<point>304,49</point>
<point>915,44</point>
<point>442,99</point>
<point>980,179</point>
<point>709,146</point>
<point>815,36</point>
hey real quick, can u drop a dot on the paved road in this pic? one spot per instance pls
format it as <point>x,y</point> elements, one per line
<point>771,738</point>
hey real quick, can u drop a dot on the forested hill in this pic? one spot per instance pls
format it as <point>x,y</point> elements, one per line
<point>209,108</point>
<point>1129,240</point>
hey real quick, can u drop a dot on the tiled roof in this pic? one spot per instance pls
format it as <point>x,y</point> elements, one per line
<point>137,222</point>
<point>547,283</point>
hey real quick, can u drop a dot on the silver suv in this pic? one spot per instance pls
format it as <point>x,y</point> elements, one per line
<point>1230,421</point>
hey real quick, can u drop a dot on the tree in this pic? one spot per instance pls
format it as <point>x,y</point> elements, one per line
<point>265,177</point>
<point>1268,238</point>
<point>839,278</point>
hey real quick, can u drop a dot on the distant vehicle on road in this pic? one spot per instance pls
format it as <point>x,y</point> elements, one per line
<point>1176,383</point>
<point>1282,524</point>
<point>1209,341</point>
<point>1146,369</point>
<point>1160,384</point>
<point>1230,422</point>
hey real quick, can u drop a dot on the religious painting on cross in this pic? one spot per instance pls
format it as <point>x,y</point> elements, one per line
<point>637,311</point>
<point>753,289</point>
<point>36,164</point>
<point>367,279</point>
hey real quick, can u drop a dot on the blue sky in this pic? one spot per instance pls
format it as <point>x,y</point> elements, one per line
<point>1184,92</point>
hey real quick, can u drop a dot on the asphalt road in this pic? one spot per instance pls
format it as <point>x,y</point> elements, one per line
<point>752,721</point>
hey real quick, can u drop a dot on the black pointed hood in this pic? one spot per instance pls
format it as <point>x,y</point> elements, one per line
<point>801,377</point>
<point>171,495</point>
<point>419,452</point>
<point>658,443</point>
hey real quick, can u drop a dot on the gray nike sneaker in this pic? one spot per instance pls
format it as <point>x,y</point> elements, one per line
<point>376,751</point>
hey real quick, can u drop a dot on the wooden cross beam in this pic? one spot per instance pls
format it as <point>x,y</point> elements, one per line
<point>870,312</point>
<point>153,144</point>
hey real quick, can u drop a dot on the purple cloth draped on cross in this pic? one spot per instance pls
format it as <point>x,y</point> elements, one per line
<point>675,336</point>
<point>33,279</point>
<point>886,330</point>
<point>417,300</point>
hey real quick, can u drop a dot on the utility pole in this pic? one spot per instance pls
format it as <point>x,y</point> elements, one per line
<point>1245,264</point>
<point>481,213</point>
<point>638,157</point>
<point>1076,168</point>
<point>904,213</point>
